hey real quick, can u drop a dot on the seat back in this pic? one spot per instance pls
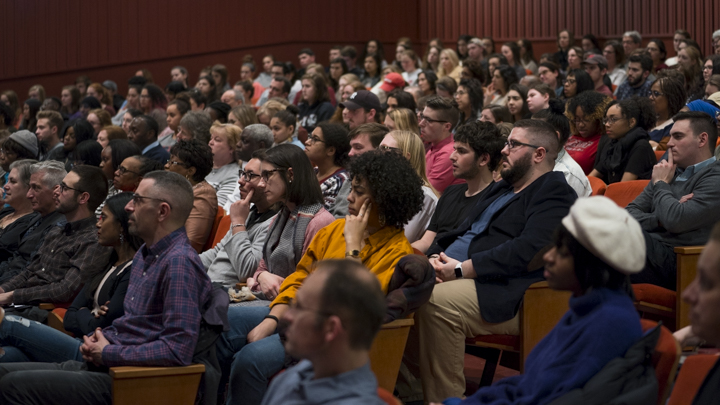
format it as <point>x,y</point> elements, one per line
<point>598,186</point>
<point>222,230</point>
<point>388,397</point>
<point>211,239</point>
<point>387,351</point>
<point>659,154</point>
<point>623,193</point>
<point>691,376</point>
<point>665,359</point>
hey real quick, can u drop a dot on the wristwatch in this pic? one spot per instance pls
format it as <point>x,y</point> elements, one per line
<point>355,254</point>
<point>458,270</point>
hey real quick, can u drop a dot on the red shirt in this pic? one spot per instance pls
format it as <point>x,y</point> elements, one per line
<point>438,166</point>
<point>583,150</point>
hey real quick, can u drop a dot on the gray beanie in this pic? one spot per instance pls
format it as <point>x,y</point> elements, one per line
<point>27,140</point>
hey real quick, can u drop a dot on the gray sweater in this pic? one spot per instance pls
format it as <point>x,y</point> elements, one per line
<point>236,256</point>
<point>660,213</point>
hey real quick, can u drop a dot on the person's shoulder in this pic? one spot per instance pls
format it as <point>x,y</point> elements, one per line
<point>454,192</point>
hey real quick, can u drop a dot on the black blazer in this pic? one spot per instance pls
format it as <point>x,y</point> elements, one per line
<point>516,233</point>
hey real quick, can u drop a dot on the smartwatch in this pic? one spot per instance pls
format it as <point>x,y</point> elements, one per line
<point>458,271</point>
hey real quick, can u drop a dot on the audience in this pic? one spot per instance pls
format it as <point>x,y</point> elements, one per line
<point>668,96</point>
<point>224,173</point>
<point>402,119</point>
<point>437,121</point>
<point>512,222</point>
<point>585,113</point>
<point>677,207</point>
<point>361,107</point>
<point>334,348</point>
<point>17,216</point>
<point>596,67</point>
<point>144,133</point>
<point>195,125</point>
<point>75,132</point>
<point>284,126</point>
<point>193,160</point>
<point>251,352</point>
<point>469,98</point>
<point>49,124</point>
<point>131,171</point>
<point>366,137</point>
<point>327,148</point>
<point>111,157</point>
<point>176,286</point>
<point>639,68</point>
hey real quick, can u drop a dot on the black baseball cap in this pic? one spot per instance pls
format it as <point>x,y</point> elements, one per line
<point>362,99</point>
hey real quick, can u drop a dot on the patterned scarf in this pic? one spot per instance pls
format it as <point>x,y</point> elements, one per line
<point>284,244</point>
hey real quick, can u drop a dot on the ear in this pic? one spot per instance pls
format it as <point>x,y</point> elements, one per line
<point>290,174</point>
<point>632,122</point>
<point>483,160</point>
<point>163,212</point>
<point>333,328</point>
<point>84,198</point>
<point>703,139</point>
<point>330,151</point>
<point>540,154</point>
<point>191,171</point>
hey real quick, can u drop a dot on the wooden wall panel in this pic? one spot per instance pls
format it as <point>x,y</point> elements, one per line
<point>53,41</point>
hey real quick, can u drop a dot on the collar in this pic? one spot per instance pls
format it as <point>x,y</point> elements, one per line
<point>152,145</point>
<point>383,236</point>
<point>442,143</point>
<point>560,155</point>
<point>71,227</point>
<point>163,244</point>
<point>330,389</point>
<point>685,174</point>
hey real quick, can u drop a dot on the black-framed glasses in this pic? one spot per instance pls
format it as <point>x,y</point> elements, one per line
<point>137,198</point>
<point>611,120</point>
<point>512,144</point>
<point>315,139</point>
<point>655,94</point>
<point>265,174</point>
<point>64,187</point>
<point>247,176</point>
<point>386,148</point>
<point>174,162</point>
<point>570,81</point>
<point>430,120</point>
<point>122,170</point>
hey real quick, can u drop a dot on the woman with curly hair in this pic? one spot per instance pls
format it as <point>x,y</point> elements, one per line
<point>410,145</point>
<point>327,148</point>
<point>402,119</point>
<point>585,113</point>
<point>193,160</point>
<point>469,99</point>
<point>379,206</point>
<point>503,77</point>
<point>625,153</point>
<point>668,96</point>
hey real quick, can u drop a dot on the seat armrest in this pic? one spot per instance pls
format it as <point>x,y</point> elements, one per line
<point>124,372</point>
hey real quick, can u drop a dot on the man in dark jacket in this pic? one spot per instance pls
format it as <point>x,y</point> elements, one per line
<point>483,267</point>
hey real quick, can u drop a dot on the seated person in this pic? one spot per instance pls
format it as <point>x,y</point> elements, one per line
<point>625,154</point>
<point>224,173</point>
<point>353,307</point>
<point>366,137</point>
<point>483,265</point>
<point>679,205</point>
<point>251,352</point>
<point>254,137</point>
<point>602,322</point>
<point>96,306</point>
<point>411,146</point>
<point>476,154</point>
<point>131,171</point>
<point>327,148</point>
<point>574,175</point>
<point>703,296</point>
<point>17,215</point>
<point>289,181</point>
<point>585,112</point>
<point>69,254</point>
<point>238,254</point>
<point>437,121</point>
<point>193,160</point>
<point>111,157</point>
<point>160,327</point>
<point>45,178</point>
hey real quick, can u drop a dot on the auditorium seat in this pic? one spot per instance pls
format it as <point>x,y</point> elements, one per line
<point>222,230</point>
<point>691,376</point>
<point>624,192</point>
<point>665,359</point>
<point>598,186</point>
<point>211,238</point>
<point>387,351</point>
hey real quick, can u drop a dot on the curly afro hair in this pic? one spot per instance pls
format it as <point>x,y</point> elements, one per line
<point>592,104</point>
<point>399,196</point>
<point>639,108</point>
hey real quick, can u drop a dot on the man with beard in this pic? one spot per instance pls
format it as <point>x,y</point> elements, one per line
<point>476,154</point>
<point>483,266</point>
<point>637,82</point>
<point>70,253</point>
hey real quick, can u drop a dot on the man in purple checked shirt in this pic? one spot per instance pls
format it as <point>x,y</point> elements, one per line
<point>168,287</point>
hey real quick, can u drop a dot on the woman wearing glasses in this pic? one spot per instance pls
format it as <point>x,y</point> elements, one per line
<point>379,206</point>
<point>409,145</point>
<point>577,82</point>
<point>193,160</point>
<point>585,113</point>
<point>668,96</point>
<point>327,148</point>
<point>96,306</point>
<point>625,153</point>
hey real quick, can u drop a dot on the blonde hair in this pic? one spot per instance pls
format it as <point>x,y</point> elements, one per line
<point>453,59</point>
<point>405,120</point>
<point>232,133</point>
<point>245,115</point>
<point>40,89</point>
<point>413,149</point>
<point>272,107</point>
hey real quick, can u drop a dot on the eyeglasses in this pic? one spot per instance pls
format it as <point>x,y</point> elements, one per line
<point>64,187</point>
<point>460,93</point>
<point>655,94</point>
<point>611,120</point>
<point>137,198</point>
<point>512,144</point>
<point>578,121</point>
<point>430,120</point>
<point>265,174</point>
<point>122,170</point>
<point>247,176</point>
<point>173,162</point>
<point>386,148</point>
<point>315,139</point>
<point>570,81</point>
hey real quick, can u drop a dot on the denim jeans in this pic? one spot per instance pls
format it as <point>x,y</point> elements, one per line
<point>24,340</point>
<point>249,366</point>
